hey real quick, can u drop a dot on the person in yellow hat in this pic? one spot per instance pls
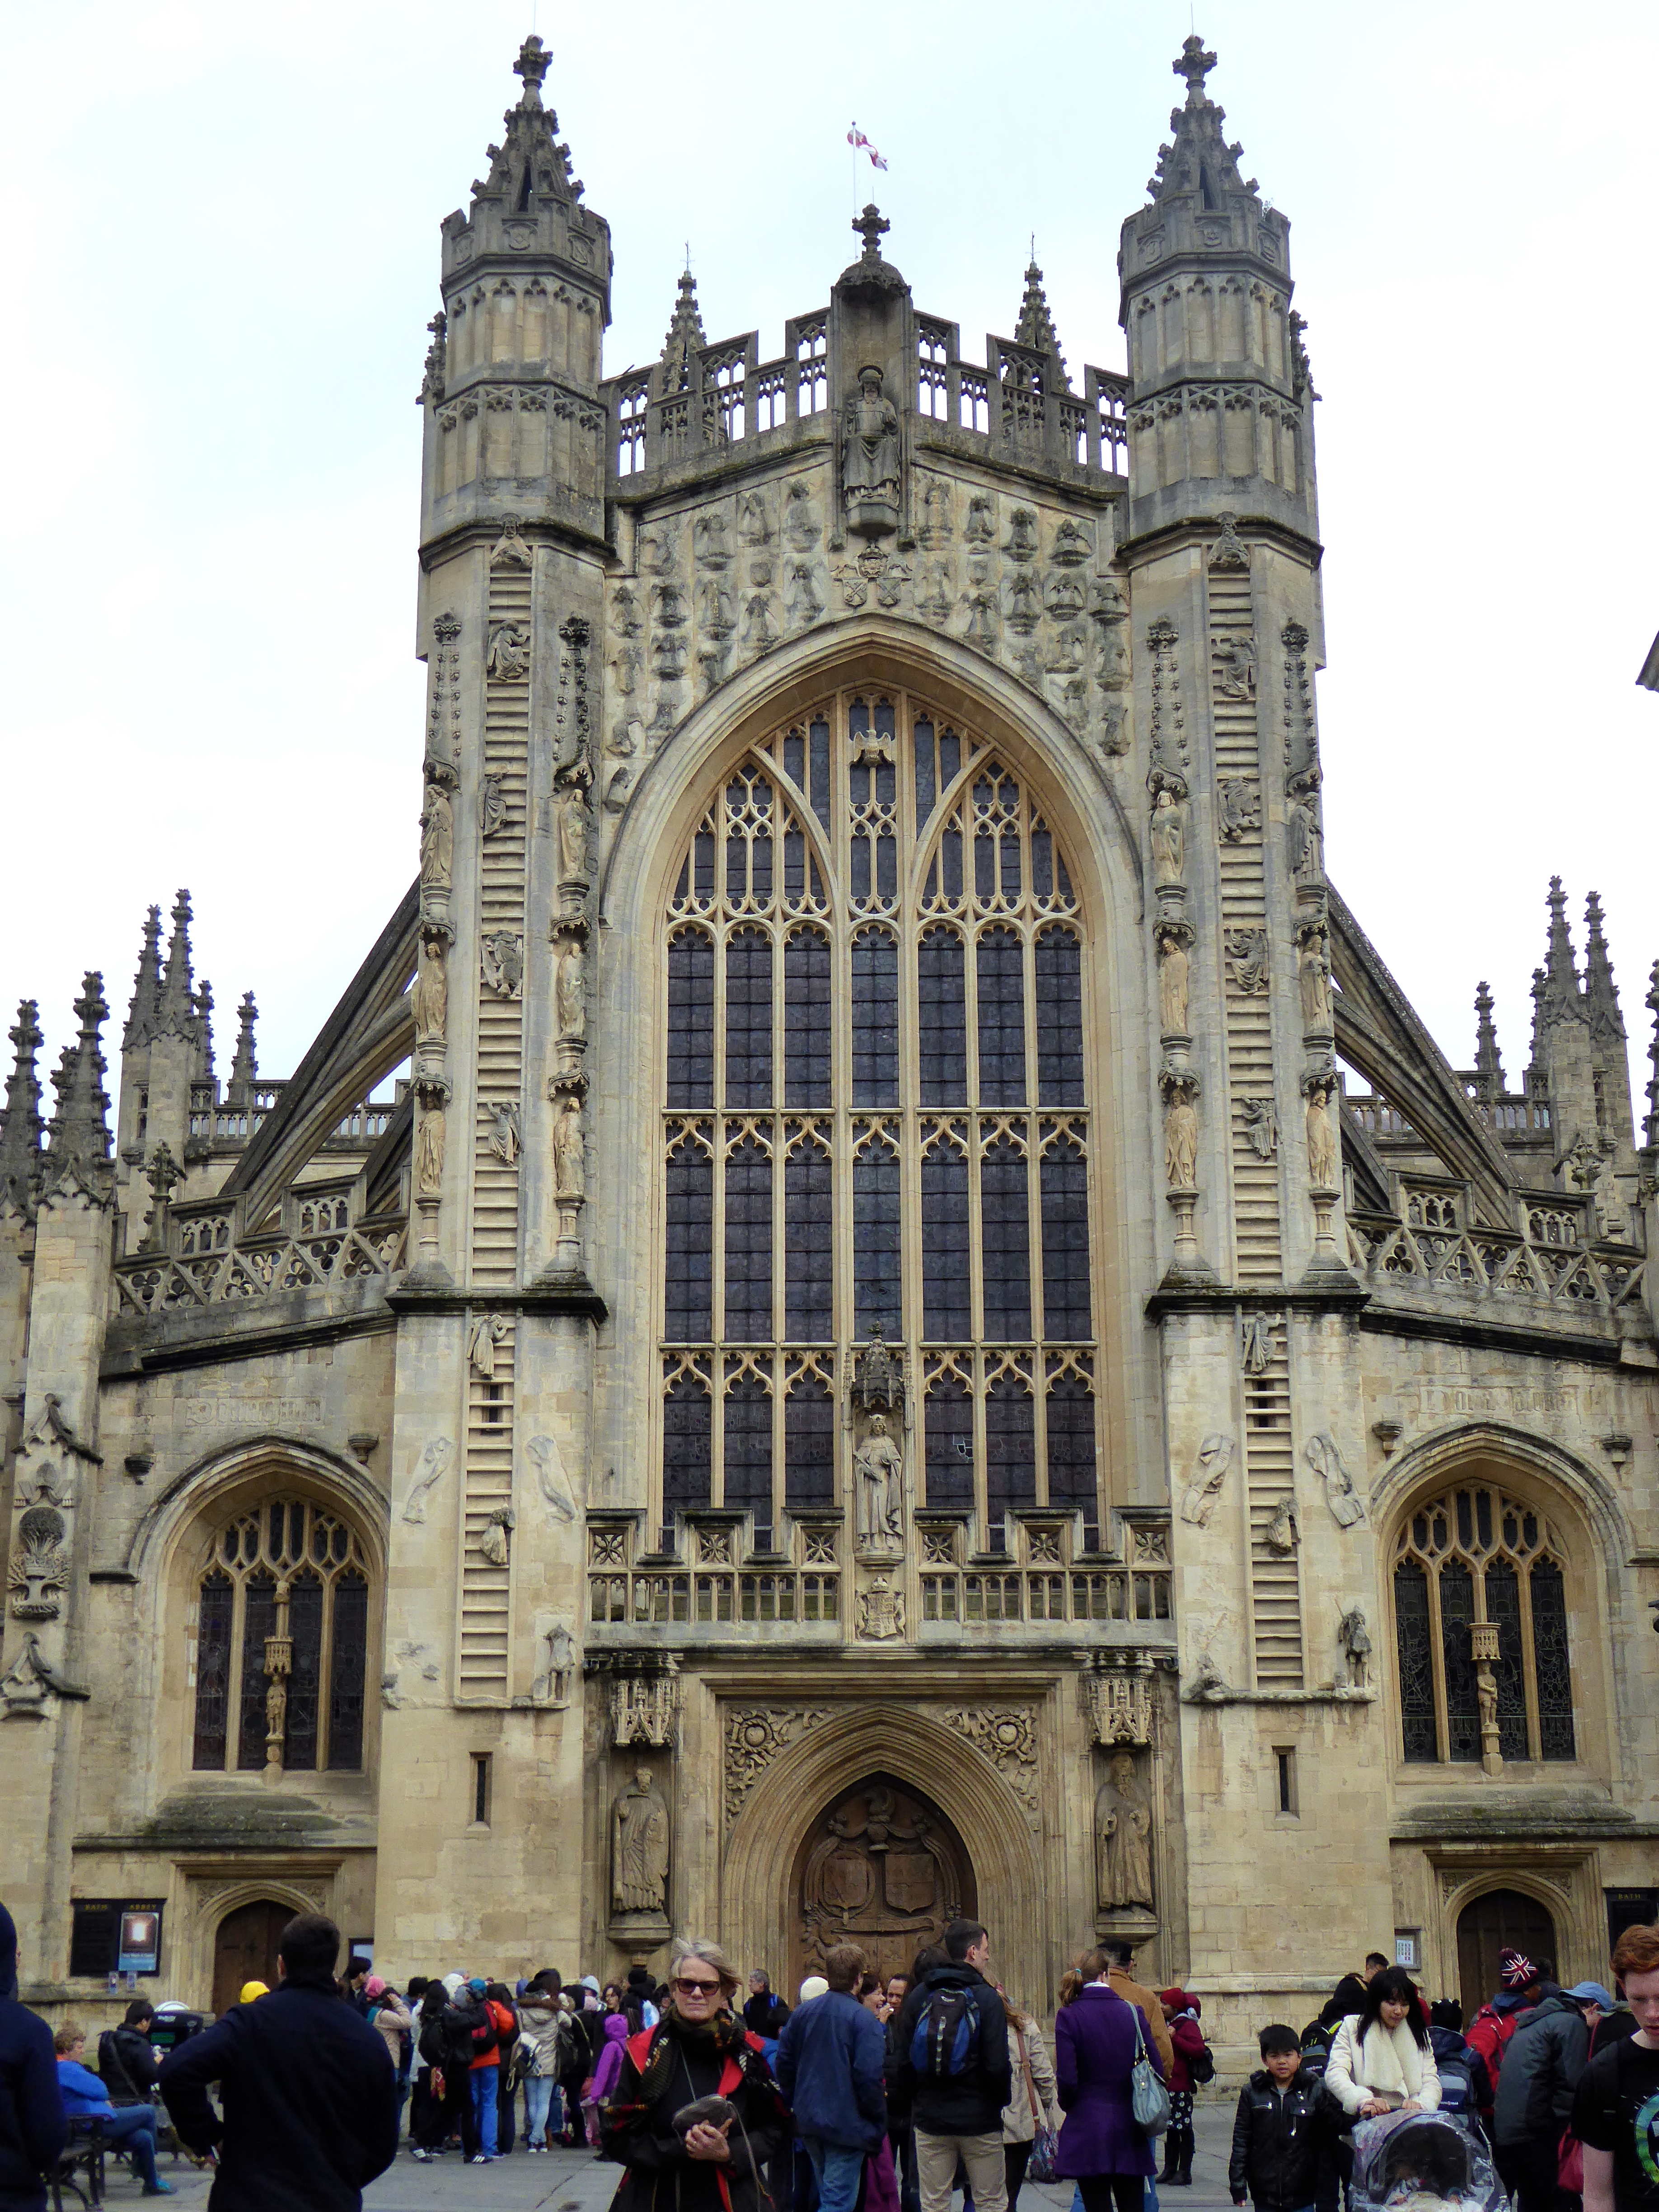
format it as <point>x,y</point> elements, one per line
<point>252,1989</point>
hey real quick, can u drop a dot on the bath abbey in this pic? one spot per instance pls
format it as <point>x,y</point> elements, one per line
<point>872,1304</point>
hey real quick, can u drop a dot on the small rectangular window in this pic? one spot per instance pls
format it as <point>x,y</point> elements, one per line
<point>1284,1778</point>
<point>480,1760</point>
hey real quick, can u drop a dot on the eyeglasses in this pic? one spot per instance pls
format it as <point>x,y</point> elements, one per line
<point>695,1989</point>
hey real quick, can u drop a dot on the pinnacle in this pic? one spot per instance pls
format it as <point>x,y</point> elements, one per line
<point>175,1009</point>
<point>245,1067</point>
<point>685,335</point>
<point>1201,163</point>
<point>1488,1064</point>
<point>1560,996</point>
<point>19,1122</point>
<point>78,1140</point>
<point>1600,992</point>
<point>146,986</point>
<point>1035,326</point>
<point>532,165</point>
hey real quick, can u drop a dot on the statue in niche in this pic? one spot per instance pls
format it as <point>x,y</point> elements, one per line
<point>1022,535</point>
<point>639,1847</point>
<point>568,1172</point>
<point>430,997</point>
<point>1313,977</point>
<point>1355,1640</point>
<point>569,999</point>
<point>1064,595</point>
<point>879,1467</point>
<point>437,839</point>
<point>1322,1151</point>
<point>509,659</point>
<point>1169,839</point>
<point>1235,669</point>
<point>571,818</point>
<point>870,458</point>
<point>1173,968</point>
<point>1307,840</point>
<point>430,1147</point>
<point>492,806</point>
<point>1215,1456</point>
<point>1180,1136</point>
<point>711,539</point>
<point>715,607</point>
<point>1123,1840</point>
<point>1026,604</point>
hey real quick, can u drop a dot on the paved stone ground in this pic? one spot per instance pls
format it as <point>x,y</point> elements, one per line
<point>575,2181</point>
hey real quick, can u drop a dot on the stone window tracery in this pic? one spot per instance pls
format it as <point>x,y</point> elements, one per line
<point>1480,1601</point>
<point>281,1642</point>
<point>874,1114</point>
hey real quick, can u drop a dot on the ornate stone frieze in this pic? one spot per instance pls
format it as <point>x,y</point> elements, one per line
<point>1007,1736</point>
<point>754,1735</point>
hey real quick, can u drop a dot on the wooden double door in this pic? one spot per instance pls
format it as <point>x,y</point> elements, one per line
<point>245,1949</point>
<point>881,1867</point>
<point>1501,1920</point>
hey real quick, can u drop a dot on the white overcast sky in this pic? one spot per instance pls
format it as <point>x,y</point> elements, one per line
<point>223,252</point>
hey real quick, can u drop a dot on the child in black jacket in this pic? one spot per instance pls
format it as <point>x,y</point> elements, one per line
<point>1281,2143</point>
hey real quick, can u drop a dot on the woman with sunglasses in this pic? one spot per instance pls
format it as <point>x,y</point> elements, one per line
<point>678,2156</point>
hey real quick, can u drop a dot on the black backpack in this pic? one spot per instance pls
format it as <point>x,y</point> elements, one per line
<point>469,2033</point>
<point>944,2042</point>
<point>431,2042</point>
<point>1202,2067</point>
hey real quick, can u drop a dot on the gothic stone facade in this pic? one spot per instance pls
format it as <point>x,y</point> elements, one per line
<point>876,1365</point>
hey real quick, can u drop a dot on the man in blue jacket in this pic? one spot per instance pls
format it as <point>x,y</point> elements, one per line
<point>830,2065</point>
<point>310,2098</point>
<point>32,2130</point>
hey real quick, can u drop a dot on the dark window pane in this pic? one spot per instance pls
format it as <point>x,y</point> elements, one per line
<point>1504,1610</point>
<point>687,1450</point>
<point>1462,1705</point>
<point>948,1427</point>
<point>795,759</point>
<point>1060,1018</point>
<point>806,1019</point>
<point>949,871</point>
<point>1072,1477</point>
<point>819,735</point>
<point>1001,1019</point>
<point>795,866</point>
<point>689,1271</point>
<point>808,1251</point>
<point>950,758</point>
<point>946,1247</point>
<point>703,857</point>
<point>875,1019</point>
<point>809,1444</point>
<point>1005,1233</point>
<point>942,1019</point>
<point>1042,861</point>
<point>749,1019</point>
<point>347,1667</point>
<point>1009,1448</point>
<point>258,1621</point>
<point>749,1448</point>
<point>1549,1651</point>
<point>691,1020</point>
<point>305,1625</point>
<point>748,1245</point>
<point>927,789</point>
<point>213,1671</point>
<point>876,1242</point>
<point>1065,1179</point>
<point>1410,1616</point>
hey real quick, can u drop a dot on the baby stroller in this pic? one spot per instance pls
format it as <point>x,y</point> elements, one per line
<point>1422,2162</point>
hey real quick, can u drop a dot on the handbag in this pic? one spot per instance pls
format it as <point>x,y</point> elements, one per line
<point>1040,2166</point>
<point>1149,2100</point>
<point>1571,2173</point>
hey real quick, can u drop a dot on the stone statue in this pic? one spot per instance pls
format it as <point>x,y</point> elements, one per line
<point>572,819</point>
<point>437,839</point>
<point>1486,1692</point>
<point>501,962</point>
<point>493,1536</point>
<point>1235,669</point>
<point>569,1001</point>
<point>492,806</point>
<point>879,1465</point>
<point>1260,1127</point>
<point>508,659</point>
<point>1281,1536</point>
<point>639,1847</point>
<point>870,458</point>
<point>429,1156</point>
<point>551,1479</point>
<point>1181,1139</point>
<point>1314,978</point>
<point>435,1461</point>
<point>1169,840</point>
<point>569,1176</point>
<point>504,1140</point>
<point>1307,840</point>
<point>1215,1456</point>
<point>430,996</point>
<point>1123,1840</point>
<point>41,1565</point>
<point>1172,975</point>
<point>1322,1152</point>
<point>552,1686</point>
<point>488,1331</point>
<point>1356,1643</point>
<point>1325,1461</point>
<point>1257,1343</point>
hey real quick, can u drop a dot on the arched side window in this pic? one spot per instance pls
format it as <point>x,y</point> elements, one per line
<point>874,1116</point>
<point>1479,1604</point>
<point>281,1642</point>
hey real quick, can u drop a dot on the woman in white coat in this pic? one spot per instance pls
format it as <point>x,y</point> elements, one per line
<point>1380,2058</point>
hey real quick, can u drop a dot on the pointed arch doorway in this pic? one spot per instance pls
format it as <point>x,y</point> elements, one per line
<point>881,1866</point>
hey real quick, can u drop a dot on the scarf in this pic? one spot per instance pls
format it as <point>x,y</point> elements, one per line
<point>1390,2063</point>
<point>723,2037</point>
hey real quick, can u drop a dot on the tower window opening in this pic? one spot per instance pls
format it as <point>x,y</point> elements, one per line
<point>525,188</point>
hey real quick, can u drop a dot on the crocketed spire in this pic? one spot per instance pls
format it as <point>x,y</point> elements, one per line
<point>1035,326</point>
<point>1600,992</point>
<point>1651,1125</point>
<point>19,1123</point>
<point>1561,1000</point>
<point>77,1142</point>
<point>245,1067</point>
<point>1488,1064</point>
<point>685,336</point>
<point>532,165</point>
<point>205,1033</point>
<point>146,986</point>
<point>175,1009</point>
<point>1200,163</point>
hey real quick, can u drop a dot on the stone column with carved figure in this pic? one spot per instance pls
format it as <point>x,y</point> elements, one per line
<point>878,1417</point>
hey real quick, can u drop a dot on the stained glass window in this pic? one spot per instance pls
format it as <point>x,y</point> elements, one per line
<point>286,1571</point>
<point>1479,1598</point>
<point>874,1056</point>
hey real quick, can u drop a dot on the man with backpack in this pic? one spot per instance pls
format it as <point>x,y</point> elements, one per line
<point>954,2066</point>
<point>1489,2032</point>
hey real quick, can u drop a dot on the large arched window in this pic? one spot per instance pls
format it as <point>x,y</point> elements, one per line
<point>1479,1603</point>
<point>281,1642</point>
<point>874,1117</point>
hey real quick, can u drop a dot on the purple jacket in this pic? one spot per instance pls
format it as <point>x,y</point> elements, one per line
<point>1095,2047</point>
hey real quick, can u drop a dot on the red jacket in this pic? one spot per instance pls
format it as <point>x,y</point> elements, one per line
<point>506,2028</point>
<point>1188,2038</point>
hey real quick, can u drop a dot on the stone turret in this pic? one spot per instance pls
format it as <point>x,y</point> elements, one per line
<point>156,1075</point>
<point>1488,1064</point>
<point>513,421</point>
<point>1579,1051</point>
<point>77,1141</point>
<point>245,1066</point>
<point>1219,414</point>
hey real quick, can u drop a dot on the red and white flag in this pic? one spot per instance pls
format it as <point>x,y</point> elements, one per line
<point>858,142</point>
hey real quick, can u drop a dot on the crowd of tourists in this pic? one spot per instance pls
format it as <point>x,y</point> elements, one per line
<point>869,2094</point>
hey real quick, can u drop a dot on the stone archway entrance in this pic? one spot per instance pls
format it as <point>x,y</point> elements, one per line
<point>1500,1920</point>
<point>245,1949</point>
<point>882,1868</point>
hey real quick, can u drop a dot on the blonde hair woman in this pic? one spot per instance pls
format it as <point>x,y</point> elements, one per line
<point>696,2114</point>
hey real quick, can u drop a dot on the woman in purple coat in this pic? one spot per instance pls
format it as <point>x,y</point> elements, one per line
<point>1097,2037</point>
